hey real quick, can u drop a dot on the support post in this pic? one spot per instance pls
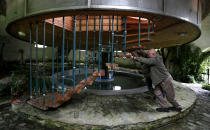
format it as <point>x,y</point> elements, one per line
<point>125,33</point>
<point>44,43</point>
<point>148,37</point>
<point>80,41</point>
<point>99,46</point>
<point>112,39</point>
<point>109,37</point>
<point>117,37</point>
<point>94,43</point>
<point>37,61</point>
<point>53,54</point>
<point>63,42</point>
<point>31,82</point>
<point>139,36</point>
<point>86,52</point>
<point>74,49</point>
<point>67,50</point>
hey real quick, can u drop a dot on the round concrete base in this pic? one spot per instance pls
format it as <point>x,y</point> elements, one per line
<point>86,111</point>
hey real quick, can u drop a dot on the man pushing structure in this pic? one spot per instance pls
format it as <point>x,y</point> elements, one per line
<point>162,80</point>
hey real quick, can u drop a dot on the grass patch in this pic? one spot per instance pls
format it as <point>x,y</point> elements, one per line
<point>206,86</point>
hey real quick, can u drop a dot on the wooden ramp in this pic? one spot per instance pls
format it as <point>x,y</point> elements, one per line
<point>46,103</point>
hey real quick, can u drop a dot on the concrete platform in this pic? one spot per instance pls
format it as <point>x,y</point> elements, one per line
<point>86,111</point>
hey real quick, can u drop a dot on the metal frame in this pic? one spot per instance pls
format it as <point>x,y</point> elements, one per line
<point>63,56</point>
<point>139,35</point>
<point>99,45</point>
<point>37,61</point>
<point>53,62</point>
<point>112,39</point>
<point>31,80</point>
<point>44,74</point>
<point>86,52</point>
<point>74,50</point>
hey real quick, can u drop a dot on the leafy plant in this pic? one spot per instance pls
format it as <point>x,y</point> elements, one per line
<point>19,80</point>
<point>206,86</point>
<point>4,89</point>
<point>186,62</point>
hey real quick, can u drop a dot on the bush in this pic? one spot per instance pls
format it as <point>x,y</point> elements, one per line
<point>4,89</point>
<point>206,86</point>
<point>19,81</point>
<point>186,62</point>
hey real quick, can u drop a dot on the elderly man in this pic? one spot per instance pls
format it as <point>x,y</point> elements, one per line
<point>145,69</point>
<point>162,80</point>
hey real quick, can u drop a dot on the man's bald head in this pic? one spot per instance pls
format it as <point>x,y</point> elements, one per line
<point>151,53</point>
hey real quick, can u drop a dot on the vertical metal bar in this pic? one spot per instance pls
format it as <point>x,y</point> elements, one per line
<point>101,35</point>
<point>139,38</point>
<point>125,33</point>
<point>63,42</point>
<point>99,46</point>
<point>44,43</point>
<point>153,27</point>
<point>31,61</point>
<point>57,64</point>
<point>67,48</point>
<point>112,38</point>
<point>37,62</point>
<point>80,41</point>
<point>148,36</point>
<point>86,52</point>
<point>102,20</point>
<point>94,42</point>
<point>117,37</point>
<point>109,37</point>
<point>74,49</point>
<point>53,47</point>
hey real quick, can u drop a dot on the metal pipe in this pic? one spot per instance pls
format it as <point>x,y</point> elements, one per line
<point>125,33</point>
<point>67,48</point>
<point>31,82</point>
<point>53,44</point>
<point>117,37</point>
<point>80,41</point>
<point>37,62</point>
<point>139,38</point>
<point>74,49</point>
<point>109,37</point>
<point>102,20</point>
<point>57,64</point>
<point>86,52</point>
<point>94,42</point>
<point>44,43</point>
<point>112,38</point>
<point>63,42</point>
<point>102,26</point>
<point>99,46</point>
<point>148,37</point>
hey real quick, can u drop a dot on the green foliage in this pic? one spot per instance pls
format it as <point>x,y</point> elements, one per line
<point>206,86</point>
<point>187,62</point>
<point>19,80</point>
<point>4,89</point>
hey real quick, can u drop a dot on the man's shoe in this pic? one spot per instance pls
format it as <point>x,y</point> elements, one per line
<point>162,109</point>
<point>178,109</point>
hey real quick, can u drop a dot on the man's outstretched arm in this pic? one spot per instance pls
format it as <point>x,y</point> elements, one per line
<point>148,61</point>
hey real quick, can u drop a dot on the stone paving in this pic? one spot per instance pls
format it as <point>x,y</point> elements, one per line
<point>198,118</point>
